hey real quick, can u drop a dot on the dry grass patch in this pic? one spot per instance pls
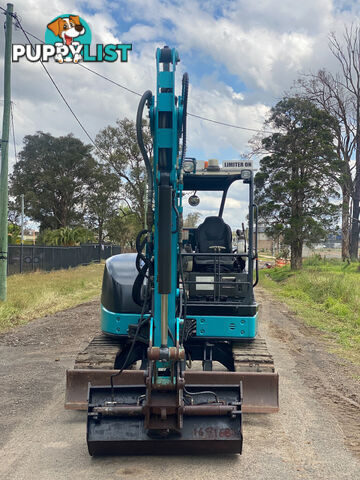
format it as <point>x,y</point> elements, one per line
<point>33,295</point>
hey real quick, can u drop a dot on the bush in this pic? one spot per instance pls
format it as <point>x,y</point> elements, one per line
<point>65,236</point>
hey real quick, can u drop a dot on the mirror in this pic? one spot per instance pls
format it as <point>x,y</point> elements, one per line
<point>194,200</point>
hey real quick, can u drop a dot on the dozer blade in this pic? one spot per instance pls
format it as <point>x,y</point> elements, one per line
<point>260,389</point>
<point>121,430</point>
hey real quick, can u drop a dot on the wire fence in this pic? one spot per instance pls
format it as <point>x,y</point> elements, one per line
<point>30,258</point>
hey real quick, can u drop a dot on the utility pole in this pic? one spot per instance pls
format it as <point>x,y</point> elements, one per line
<point>22,233</point>
<point>4,155</point>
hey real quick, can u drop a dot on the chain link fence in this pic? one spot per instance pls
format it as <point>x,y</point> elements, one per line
<point>29,258</point>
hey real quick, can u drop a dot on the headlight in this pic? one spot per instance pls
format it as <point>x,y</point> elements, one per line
<point>245,174</point>
<point>189,165</point>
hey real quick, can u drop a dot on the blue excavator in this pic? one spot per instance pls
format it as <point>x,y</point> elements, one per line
<point>179,359</point>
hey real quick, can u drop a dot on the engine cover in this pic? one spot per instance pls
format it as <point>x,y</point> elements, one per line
<point>119,275</point>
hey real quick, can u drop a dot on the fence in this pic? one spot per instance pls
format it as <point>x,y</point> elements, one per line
<point>30,258</point>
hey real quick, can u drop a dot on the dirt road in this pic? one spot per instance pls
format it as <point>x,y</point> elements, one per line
<point>316,435</point>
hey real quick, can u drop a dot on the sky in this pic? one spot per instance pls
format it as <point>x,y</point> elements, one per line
<point>241,56</point>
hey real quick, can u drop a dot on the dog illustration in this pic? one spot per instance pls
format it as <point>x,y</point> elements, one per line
<point>67,29</point>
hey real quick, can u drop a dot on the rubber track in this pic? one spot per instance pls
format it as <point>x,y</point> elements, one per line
<point>249,356</point>
<point>252,356</point>
<point>101,353</point>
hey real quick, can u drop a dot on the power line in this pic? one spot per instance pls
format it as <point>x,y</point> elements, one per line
<point>228,124</point>
<point>188,113</point>
<point>55,85</point>
<point>217,122</point>
<point>109,80</point>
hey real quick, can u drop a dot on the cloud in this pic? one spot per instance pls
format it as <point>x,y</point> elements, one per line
<point>240,55</point>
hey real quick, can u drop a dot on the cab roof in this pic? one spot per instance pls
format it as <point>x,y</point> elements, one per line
<point>210,181</point>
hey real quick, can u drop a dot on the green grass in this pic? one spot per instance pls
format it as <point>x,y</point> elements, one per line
<point>33,295</point>
<point>326,295</point>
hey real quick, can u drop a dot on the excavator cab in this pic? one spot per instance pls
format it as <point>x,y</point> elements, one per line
<point>219,272</point>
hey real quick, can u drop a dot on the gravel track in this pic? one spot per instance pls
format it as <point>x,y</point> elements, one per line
<point>316,434</point>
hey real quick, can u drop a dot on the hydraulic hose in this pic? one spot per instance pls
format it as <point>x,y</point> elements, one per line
<point>142,269</point>
<point>146,98</point>
<point>185,93</point>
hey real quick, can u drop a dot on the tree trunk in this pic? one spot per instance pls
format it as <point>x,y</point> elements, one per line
<point>354,242</point>
<point>296,242</point>
<point>100,232</point>
<point>345,224</point>
<point>100,239</point>
<point>296,254</point>
<point>63,218</point>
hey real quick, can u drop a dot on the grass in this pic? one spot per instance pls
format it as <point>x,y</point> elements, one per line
<point>326,295</point>
<point>33,295</point>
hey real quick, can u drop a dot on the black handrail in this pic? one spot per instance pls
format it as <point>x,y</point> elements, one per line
<point>210,254</point>
<point>256,246</point>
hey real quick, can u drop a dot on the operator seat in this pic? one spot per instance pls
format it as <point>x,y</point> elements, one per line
<point>213,232</point>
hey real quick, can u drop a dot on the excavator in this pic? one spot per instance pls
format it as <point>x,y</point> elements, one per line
<point>179,360</point>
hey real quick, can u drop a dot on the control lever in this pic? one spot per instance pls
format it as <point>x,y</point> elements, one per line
<point>218,248</point>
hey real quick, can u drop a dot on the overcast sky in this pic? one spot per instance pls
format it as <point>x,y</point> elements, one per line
<point>241,56</point>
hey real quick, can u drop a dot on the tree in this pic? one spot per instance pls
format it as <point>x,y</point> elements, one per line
<point>348,56</point>
<point>191,220</point>
<point>102,200</point>
<point>14,232</point>
<point>339,95</point>
<point>14,212</point>
<point>122,155</point>
<point>326,91</point>
<point>294,185</point>
<point>53,173</point>
<point>123,228</point>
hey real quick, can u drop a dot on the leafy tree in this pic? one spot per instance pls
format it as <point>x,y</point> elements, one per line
<point>102,200</point>
<point>52,173</point>
<point>14,212</point>
<point>122,155</point>
<point>14,229</point>
<point>294,186</point>
<point>14,232</point>
<point>123,228</point>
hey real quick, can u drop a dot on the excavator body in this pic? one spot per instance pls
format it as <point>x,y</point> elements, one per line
<point>179,359</point>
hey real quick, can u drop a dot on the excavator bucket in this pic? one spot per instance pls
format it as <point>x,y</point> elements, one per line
<point>117,423</point>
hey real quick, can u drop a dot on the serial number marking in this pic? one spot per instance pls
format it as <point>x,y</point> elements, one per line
<point>212,432</point>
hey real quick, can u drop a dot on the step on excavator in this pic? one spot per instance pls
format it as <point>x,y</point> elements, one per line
<point>179,359</point>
